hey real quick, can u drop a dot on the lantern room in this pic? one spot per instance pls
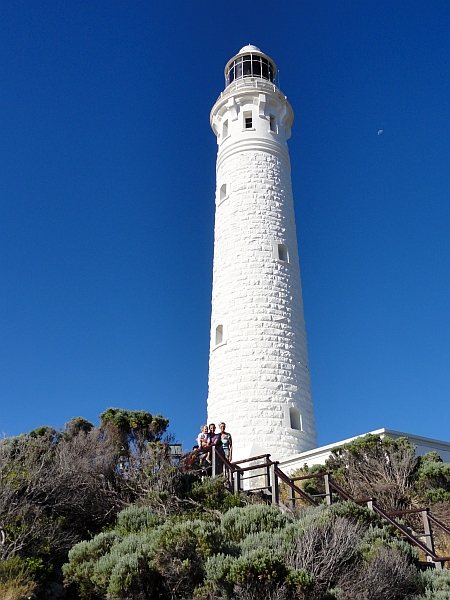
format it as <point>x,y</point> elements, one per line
<point>250,62</point>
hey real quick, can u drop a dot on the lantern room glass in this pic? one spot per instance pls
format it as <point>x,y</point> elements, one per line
<point>250,65</point>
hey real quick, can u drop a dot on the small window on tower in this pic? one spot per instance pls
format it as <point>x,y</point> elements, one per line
<point>273,123</point>
<point>219,334</point>
<point>283,254</point>
<point>248,123</point>
<point>223,192</point>
<point>225,129</point>
<point>295,418</point>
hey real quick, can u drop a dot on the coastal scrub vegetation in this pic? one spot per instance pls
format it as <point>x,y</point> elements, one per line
<point>105,513</point>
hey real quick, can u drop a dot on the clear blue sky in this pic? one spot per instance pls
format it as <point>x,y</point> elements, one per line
<point>107,179</point>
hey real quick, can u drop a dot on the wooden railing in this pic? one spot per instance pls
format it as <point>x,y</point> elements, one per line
<point>259,473</point>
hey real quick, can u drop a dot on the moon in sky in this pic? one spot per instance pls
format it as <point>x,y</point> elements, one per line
<point>380,131</point>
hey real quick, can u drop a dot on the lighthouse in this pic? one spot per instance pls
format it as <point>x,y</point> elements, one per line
<point>259,381</point>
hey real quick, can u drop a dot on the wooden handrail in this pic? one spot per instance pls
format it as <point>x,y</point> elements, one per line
<point>315,475</point>
<point>438,523</point>
<point>337,488</point>
<point>407,511</point>
<point>225,461</point>
<point>254,467</point>
<point>409,535</point>
<point>238,462</point>
<point>287,480</point>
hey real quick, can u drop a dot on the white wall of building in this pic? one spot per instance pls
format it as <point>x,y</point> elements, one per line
<point>318,456</point>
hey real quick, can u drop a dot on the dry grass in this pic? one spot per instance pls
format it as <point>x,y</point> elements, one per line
<point>16,582</point>
<point>18,589</point>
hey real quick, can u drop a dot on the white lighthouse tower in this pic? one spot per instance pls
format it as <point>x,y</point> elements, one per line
<point>259,381</point>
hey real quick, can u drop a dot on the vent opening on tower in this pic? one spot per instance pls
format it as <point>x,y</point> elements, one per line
<point>225,129</point>
<point>219,335</point>
<point>295,418</point>
<point>273,124</point>
<point>283,254</point>
<point>223,192</point>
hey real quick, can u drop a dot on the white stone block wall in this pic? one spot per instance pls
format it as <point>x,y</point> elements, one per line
<point>258,367</point>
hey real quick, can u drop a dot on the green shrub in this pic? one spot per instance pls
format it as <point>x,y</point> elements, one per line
<point>436,585</point>
<point>354,512</point>
<point>211,493</point>
<point>280,540</point>
<point>132,572</point>
<point>83,558</point>
<point>299,578</point>
<point>261,573</point>
<point>134,519</point>
<point>238,523</point>
<point>258,569</point>
<point>38,568</point>
<point>384,536</point>
<point>181,549</point>
<point>433,478</point>
<point>170,556</point>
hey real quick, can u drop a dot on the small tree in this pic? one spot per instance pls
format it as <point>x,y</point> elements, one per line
<point>371,466</point>
<point>132,430</point>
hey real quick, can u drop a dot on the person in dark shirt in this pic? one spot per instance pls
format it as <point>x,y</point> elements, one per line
<point>215,439</point>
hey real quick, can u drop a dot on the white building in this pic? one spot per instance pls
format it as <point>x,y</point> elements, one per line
<point>318,456</point>
<point>259,381</point>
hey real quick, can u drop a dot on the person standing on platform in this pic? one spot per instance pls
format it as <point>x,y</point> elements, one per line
<point>214,439</point>
<point>227,442</point>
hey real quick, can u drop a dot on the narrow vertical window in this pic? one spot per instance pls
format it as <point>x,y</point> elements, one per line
<point>295,419</point>
<point>248,123</point>
<point>273,123</point>
<point>283,253</point>
<point>223,191</point>
<point>225,129</point>
<point>219,334</point>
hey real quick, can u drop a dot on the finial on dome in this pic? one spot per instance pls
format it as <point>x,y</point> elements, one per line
<point>249,48</point>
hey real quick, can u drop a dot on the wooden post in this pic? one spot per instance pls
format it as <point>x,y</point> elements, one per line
<point>213,461</point>
<point>267,475</point>
<point>274,482</point>
<point>237,481</point>
<point>291,498</point>
<point>230,480</point>
<point>328,492</point>
<point>429,540</point>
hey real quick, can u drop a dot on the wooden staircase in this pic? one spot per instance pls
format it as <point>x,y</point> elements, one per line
<point>260,474</point>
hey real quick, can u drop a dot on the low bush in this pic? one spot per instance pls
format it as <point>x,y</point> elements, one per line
<point>238,523</point>
<point>436,585</point>
<point>16,579</point>
<point>135,519</point>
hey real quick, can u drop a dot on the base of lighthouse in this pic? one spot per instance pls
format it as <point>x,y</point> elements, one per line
<point>259,382</point>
